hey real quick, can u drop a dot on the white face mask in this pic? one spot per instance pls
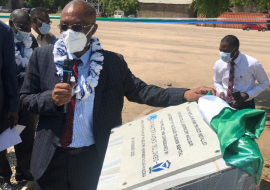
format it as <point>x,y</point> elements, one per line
<point>75,41</point>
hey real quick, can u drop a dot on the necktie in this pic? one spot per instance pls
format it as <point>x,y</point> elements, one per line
<point>66,139</point>
<point>230,84</point>
<point>21,46</point>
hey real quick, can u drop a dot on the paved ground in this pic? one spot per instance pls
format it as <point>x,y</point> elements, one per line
<point>171,55</point>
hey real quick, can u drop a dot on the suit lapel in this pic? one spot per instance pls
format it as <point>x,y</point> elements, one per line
<point>98,93</point>
<point>54,68</point>
<point>99,90</point>
<point>48,69</point>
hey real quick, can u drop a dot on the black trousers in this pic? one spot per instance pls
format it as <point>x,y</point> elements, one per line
<point>23,150</point>
<point>76,171</point>
<point>246,105</point>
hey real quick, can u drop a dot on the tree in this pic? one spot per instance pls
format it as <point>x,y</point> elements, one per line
<point>58,3</point>
<point>52,4</point>
<point>36,3</point>
<point>261,4</point>
<point>211,8</point>
<point>3,2</point>
<point>128,6</point>
<point>214,8</point>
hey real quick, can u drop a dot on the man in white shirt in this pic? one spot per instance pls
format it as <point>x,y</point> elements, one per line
<point>235,75</point>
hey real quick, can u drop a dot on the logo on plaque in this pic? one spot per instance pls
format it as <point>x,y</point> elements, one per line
<point>152,117</point>
<point>159,167</point>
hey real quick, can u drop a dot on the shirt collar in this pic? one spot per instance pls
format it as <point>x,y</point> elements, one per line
<point>238,59</point>
<point>16,40</point>
<point>84,58</point>
<point>36,35</point>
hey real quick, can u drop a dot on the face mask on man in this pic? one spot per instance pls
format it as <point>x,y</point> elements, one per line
<point>75,41</point>
<point>21,36</point>
<point>45,28</point>
<point>226,57</point>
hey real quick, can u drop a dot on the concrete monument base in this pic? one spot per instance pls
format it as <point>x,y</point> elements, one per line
<point>171,149</point>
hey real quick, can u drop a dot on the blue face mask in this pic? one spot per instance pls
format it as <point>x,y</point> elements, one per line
<point>21,36</point>
<point>45,28</point>
<point>226,57</point>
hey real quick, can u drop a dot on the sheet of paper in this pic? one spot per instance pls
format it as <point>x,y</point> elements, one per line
<point>20,128</point>
<point>11,137</point>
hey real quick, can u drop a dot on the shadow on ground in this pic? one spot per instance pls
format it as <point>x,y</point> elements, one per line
<point>265,185</point>
<point>263,102</point>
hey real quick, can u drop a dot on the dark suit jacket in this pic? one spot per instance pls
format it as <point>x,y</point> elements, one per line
<point>21,70</point>
<point>116,81</point>
<point>9,95</point>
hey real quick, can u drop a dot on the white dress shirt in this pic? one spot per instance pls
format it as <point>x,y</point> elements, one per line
<point>246,71</point>
<point>83,115</point>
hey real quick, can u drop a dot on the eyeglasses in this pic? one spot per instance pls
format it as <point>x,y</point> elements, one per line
<point>74,27</point>
<point>21,27</point>
<point>41,20</point>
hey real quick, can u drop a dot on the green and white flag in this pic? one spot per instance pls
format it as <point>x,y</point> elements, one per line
<point>237,131</point>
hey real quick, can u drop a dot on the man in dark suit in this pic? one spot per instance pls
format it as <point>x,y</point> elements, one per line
<point>24,43</point>
<point>69,152</point>
<point>9,96</point>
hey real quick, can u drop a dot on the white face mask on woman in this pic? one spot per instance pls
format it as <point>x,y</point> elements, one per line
<point>75,41</point>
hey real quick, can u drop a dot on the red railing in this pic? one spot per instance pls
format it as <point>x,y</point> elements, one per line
<point>238,17</point>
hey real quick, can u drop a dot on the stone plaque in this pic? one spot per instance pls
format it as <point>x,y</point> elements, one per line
<point>165,143</point>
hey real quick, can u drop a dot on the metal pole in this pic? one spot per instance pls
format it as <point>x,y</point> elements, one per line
<point>98,7</point>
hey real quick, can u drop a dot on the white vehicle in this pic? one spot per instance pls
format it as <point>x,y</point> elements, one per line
<point>119,14</point>
<point>4,10</point>
<point>131,16</point>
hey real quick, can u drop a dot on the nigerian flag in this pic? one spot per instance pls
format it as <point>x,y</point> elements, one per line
<point>237,131</point>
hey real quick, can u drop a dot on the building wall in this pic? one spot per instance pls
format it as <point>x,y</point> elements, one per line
<point>158,10</point>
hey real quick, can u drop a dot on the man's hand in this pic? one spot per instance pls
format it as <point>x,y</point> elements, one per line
<point>195,94</point>
<point>242,99</point>
<point>222,96</point>
<point>10,120</point>
<point>62,93</point>
<point>13,119</point>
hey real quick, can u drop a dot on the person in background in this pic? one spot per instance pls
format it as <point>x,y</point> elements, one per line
<point>9,96</point>
<point>41,26</point>
<point>235,75</point>
<point>24,44</point>
<point>24,41</point>
<point>69,155</point>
